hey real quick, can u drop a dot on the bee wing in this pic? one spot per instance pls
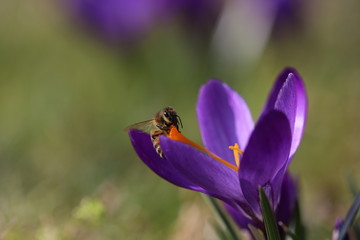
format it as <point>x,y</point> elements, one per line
<point>145,126</point>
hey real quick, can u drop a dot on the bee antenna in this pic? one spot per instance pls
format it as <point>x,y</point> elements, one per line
<point>179,121</point>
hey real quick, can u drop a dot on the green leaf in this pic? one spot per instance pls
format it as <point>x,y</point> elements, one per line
<point>352,184</point>
<point>219,231</point>
<point>357,230</point>
<point>350,216</point>
<point>272,230</point>
<point>257,233</point>
<point>299,228</point>
<point>288,232</point>
<point>222,216</point>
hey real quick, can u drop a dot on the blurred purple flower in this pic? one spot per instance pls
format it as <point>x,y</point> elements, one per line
<point>225,120</point>
<point>127,21</point>
<point>245,27</point>
<point>288,16</point>
<point>335,234</point>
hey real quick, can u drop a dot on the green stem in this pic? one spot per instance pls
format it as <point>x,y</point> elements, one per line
<point>222,216</point>
<point>271,227</point>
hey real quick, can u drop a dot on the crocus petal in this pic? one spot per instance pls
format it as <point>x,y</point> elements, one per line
<point>288,198</point>
<point>277,181</point>
<point>265,155</point>
<point>289,96</point>
<point>224,119</point>
<point>144,148</point>
<point>203,170</point>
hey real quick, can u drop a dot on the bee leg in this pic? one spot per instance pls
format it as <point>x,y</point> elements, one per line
<point>161,154</point>
<point>155,133</point>
<point>162,127</point>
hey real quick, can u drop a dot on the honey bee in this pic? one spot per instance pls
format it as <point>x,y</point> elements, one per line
<point>161,124</point>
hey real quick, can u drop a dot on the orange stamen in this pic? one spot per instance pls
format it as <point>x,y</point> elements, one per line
<point>177,136</point>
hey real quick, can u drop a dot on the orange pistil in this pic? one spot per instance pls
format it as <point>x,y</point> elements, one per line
<point>177,136</point>
<point>237,151</point>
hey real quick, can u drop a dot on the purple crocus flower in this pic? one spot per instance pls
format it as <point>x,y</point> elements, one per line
<point>283,213</point>
<point>126,22</point>
<point>224,121</point>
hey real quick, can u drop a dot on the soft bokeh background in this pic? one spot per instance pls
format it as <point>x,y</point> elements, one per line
<point>67,168</point>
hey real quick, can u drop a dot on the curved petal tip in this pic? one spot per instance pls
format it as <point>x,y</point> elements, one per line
<point>289,96</point>
<point>224,118</point>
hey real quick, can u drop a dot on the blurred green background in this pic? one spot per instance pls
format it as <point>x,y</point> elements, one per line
<point>67,168</point>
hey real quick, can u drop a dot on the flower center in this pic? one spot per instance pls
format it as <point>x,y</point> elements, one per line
<point>177,136</point>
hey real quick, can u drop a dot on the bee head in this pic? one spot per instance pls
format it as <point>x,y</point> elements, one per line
<point>170,116</point>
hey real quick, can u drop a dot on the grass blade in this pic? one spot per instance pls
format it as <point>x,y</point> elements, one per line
<point>352,184</point>
<point>219,212</point>
<point>350,216</point>
<point>220,232</point>
<point>271,227</point>
<point>257,233</point>
<point>299,228</point>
